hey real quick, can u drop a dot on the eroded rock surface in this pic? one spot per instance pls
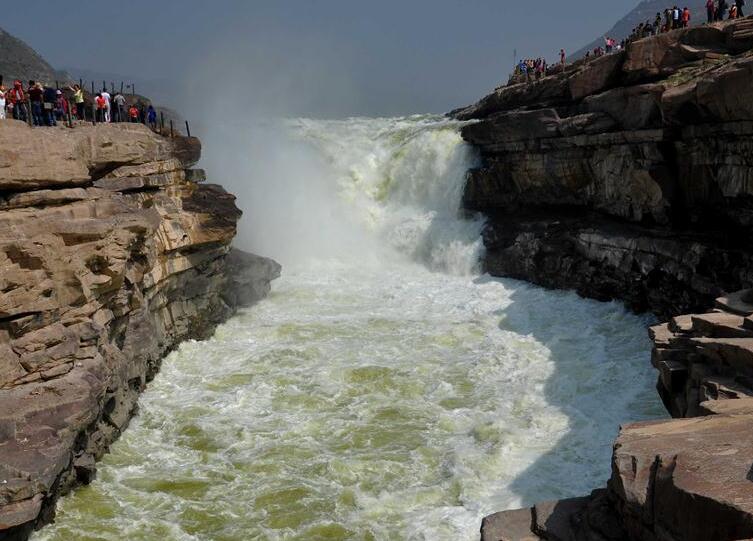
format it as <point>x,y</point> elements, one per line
<point>111,253</point>
<point>627,176</point>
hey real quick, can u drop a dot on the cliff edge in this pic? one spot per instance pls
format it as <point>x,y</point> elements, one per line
<point>112,251</point>
<point>630,177</point>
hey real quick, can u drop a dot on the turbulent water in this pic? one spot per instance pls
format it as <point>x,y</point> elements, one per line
<point>385,391</point>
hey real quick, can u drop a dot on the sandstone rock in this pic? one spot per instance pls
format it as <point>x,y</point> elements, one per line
<point>632,107</point>
<point>509,526</point>
<point>596,76</point>
<point>554,520</point>
<point>32,159</point>
<point>97,283</point>
<point>662,478</point>
<point>742,406</point>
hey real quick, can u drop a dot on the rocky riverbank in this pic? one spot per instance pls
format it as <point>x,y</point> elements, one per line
<point>630,177</point>
<point>113,250</point>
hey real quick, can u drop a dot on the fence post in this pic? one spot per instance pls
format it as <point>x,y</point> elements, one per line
<point>70,115</point>
<point>121,87</point>
<point>162,123</point>
<point>171,128</point>
<point>81,84</point>
<point>29,116</point>
<point>92,88</point>
<point>188,129</point>
<point>94,113</point>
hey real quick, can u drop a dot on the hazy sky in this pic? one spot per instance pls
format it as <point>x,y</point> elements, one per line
<point>321,57</point>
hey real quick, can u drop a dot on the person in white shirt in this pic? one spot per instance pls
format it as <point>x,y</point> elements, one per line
<point>108,104</point>
<point>2,102</point>
<point>120,107</point>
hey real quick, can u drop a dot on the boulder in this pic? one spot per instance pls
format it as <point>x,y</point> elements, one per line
<point>668,483</point>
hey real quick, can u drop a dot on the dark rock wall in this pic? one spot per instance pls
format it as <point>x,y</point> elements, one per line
<point>627,177</point>
<point>630,177</point>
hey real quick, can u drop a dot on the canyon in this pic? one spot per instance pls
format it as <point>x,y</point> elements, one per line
<point>113,250</point>
<point>630,177</point>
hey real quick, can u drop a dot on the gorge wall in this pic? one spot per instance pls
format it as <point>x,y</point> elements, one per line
<point>630,177</point>
<point>112,251</point>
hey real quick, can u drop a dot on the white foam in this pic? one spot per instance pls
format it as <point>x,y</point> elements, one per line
<point>397,396</point>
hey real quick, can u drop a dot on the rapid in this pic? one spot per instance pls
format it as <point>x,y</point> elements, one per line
<point>386,389</point>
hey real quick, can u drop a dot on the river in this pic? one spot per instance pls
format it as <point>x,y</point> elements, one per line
<point>386,389</point>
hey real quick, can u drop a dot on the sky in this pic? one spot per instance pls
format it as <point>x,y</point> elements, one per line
<point>328,58</point>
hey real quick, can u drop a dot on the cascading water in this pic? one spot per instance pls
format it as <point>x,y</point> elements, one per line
<point>385,390</point>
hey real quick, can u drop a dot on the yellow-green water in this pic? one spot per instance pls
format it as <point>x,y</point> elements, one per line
<point>372,403</point>
<point>367,397</point>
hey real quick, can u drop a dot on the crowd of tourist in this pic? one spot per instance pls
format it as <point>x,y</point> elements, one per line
<point>44,105</point>
<point>671,19</point>
<point>674,18</point>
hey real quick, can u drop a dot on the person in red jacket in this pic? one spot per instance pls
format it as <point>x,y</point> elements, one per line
<point>133,114</point>
<point>685,17</point>
<point>17,99</point>
<point>101,104</point>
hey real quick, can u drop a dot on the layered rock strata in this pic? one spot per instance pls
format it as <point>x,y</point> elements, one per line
<point>112,251</point>
<point>628,176</point>
<point>683,480</point>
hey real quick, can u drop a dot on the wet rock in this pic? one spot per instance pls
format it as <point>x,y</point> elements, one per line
<point>509,526</point>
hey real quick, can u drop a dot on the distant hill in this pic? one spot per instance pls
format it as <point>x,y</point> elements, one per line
<point>645,11</point>
<point>19,61</point>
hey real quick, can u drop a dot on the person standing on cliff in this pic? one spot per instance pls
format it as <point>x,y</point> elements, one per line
<point>120,107</point>
<point>685,17</point>
<point>2,102</point>
<point>739,4</point>
<point>36,97</point>
<point>108,105</point>
<point>151,117</point>
<point>133,114</point>
<point>562,58</point>
<point>79,101</point>
<point>101,104</point>
<point>710,11</point>
<point>17,98</point>
<point>721,9</point>
<point>50,97</point>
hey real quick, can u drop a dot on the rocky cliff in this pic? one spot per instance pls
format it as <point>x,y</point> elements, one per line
<point>112,251</point>
<point>630,177</point>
